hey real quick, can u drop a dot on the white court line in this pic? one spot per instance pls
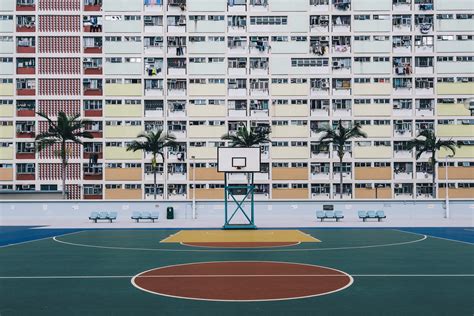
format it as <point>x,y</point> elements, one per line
<point>242,250</point>
<point>217,247</point>
<point>454,240</point>
<point>28,241</point>
<point>231,275</point>
<point>471,230</point>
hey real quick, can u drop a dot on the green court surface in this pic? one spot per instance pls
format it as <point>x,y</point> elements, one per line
<point>89,273</point>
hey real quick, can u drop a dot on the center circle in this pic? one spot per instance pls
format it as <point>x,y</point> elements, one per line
<point>242,281</point>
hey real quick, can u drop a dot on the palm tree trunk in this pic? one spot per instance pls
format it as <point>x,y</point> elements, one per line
<point>340,177</point>
<point>165,172</point>
<point>433,161</point>
<point>154,175</point>
<point>64,165</point>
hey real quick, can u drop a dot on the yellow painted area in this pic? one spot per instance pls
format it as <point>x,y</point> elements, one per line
<point>373,173</point>
<point>129,110</point>
<point>289,88</point>
<point>6,89</point>
<point>204,174</point>
<point>207,89</point>
<point>455,88</point>
<point>377,130</point>
<point>455,109</point>
<point>290,194</point>
<point>6,174</point>
<point>456,173</point>
<point>6,110</point>
<point>462,152</point>
<point>366,193</point>
<point>123,194</point>
<point>118,174</point>
<point>290,110</point>
<point>207,194</point>
<point>126,89</point>
<point>206,110</point>
<point>7,131</point>
<point>120,153</point>
<point>372,89</point>
<point>203,152</point>
<point>286,173</point>
<point>290,152</point>
<point>188,236</point>
<point>7,152</point>
<point>206,131</point>
<point>122,131</point>
<point>457,193</point>
<point>456,130</point>
<point>372,109</point>
<point>290,131</point>
<point>372,152</point>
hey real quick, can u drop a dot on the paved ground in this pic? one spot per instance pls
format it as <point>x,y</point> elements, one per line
<point>89,273</point>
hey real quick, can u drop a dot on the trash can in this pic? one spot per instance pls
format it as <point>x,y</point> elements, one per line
<point>169,212</point>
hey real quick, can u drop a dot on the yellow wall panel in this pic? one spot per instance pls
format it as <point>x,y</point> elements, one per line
<point>123,194</point>
<point>290,194</point>
<point>7,131</point>
<point>6,153</point>
<point>206,110</point>
<point>6,110</point>
<point>456,109</point>
<point>290,173</point>
<point>6,89</point>
<point>455,130</point>
<point>455,88</point>
<point>129,110</point>
<point>290,110</point>
<point>116,174</point>
<point>6,174</point>
<point>290,152</point>
<point>122,131</point>
<point>119,89</point>
<point>369,173</point>
<point>120,153</point>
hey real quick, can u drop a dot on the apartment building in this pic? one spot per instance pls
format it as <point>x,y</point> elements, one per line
<point>202,68</point>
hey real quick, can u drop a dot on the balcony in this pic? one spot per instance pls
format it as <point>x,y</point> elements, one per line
<point>29,5</point>
<point>25,87</point>
<point>92,87</point>
<point>93,45</point>
<point>92,5</point>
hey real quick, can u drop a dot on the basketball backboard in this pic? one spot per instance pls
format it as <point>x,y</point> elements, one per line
<point>238,159</point>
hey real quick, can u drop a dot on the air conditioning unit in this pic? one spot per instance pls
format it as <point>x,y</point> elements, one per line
<point>397,186</point>
<point>25,186</point>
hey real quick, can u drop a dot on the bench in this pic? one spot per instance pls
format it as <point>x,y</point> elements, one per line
<point>379,215</point>
<point>137,216</point>
<point>322,215</point>
<point>96,216</point>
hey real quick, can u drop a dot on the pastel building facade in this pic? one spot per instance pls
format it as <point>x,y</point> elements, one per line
<point>202,68</point>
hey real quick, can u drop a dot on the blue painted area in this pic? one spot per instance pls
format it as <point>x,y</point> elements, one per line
<point>465,234</point>
<point>17,234</point>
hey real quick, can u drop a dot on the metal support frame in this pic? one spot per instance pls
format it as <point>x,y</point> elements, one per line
<point>229,214</point>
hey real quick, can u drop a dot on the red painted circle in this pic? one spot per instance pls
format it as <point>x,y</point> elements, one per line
<point>239,244</point>
<point>242,281</point>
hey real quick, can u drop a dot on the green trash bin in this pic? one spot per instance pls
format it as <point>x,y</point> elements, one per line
<point>169,212</point>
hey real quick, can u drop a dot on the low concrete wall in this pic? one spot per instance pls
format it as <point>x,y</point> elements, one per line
<point>212,213</point>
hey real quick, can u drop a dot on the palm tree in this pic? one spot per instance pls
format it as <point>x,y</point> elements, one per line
<point>65,129</point>
<point>338,137</point>
<point>426,142</point>
<point>154,142</point>
<point>248,138</point>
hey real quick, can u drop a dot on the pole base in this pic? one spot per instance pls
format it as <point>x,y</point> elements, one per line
<point>239,226</point>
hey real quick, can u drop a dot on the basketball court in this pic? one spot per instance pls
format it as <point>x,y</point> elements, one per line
<point>176,272</point>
